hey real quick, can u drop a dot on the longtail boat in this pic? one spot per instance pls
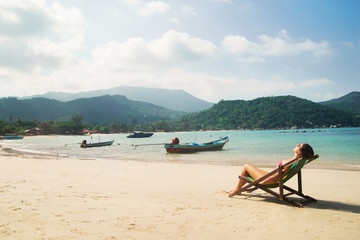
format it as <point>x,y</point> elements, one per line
<point>10,136</point>
<point>176,147</point>
<point>84,144</point>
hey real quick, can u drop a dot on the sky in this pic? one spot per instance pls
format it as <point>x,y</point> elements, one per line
<point>213,49</point>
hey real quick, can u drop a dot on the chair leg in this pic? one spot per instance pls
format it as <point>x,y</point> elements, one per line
<point>281,185</point>
<point>277,195</point>
<point>300,194</point>
<point>299,182</point>
<point>281,195</point>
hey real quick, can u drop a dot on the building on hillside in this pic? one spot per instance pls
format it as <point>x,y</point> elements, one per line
<point>33,131</point>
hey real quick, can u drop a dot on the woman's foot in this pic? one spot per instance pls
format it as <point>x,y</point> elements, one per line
<point>232,193</point>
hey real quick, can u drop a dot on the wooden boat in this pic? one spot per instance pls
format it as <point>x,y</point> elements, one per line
<point>9,136</point>
<point>84,144</point>
<point>176,147</point>
<point>139,134</point>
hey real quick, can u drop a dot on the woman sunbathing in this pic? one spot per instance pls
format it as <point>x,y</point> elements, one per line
<point>302,151</point>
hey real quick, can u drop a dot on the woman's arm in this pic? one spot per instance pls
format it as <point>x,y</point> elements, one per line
<point>275,177</point>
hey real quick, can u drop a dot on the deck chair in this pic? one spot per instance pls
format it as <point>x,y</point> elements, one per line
<point>283,176</point>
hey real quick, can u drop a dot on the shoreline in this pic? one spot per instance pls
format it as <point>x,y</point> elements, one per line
<point>314,165</point>
<point>235,153</point>
<point>62,198</point>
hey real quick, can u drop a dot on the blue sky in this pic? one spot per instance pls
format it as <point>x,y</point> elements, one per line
<point>214,49</point>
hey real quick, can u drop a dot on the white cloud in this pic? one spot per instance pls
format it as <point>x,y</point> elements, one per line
<point>348,44</point>
<point>8,16</point>
<point>188,11</point>
<point>47,51</point>
<point>149,8</point>
<point>225,1</point>
<point>27,17</point>
<point>202,85</point>
<point>174,20</point>
<point>18,83</point>
<point>181,46</point>
<point>21,18</point>
<point>315,82</point>
<point>153,8</point>
<point>240,45</point>
<point>23,27</point>
<point>251,59</point>
<point>172,48</point>
<point>268,46</point>
<point>132,54</point>
<point>135,3</point>
<point>67,21</point>
<point>12,53</point>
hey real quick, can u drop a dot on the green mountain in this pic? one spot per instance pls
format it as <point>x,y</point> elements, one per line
<point>102,110</point>
<point>261,113</point>
<point>349,102</point>
<point>269,113</point>
<point>177,100</point>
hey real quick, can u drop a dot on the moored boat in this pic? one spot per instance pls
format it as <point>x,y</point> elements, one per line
<point>176,147</point>
<point>139,134</point>
<point>84,144</point>
<point>9,136</point>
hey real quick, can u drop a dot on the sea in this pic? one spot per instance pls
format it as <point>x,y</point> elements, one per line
<point>337,147</point>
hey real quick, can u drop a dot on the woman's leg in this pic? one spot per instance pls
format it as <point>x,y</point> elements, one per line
<point>248,171</point>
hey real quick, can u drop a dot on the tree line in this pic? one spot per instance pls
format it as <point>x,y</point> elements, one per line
<point>76,126</point>
<point>282,112</point>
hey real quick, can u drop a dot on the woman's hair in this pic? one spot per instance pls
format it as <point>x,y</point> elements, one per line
<point>306,151</point>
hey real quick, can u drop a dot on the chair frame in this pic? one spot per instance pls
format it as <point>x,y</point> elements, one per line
<point>253,185</point>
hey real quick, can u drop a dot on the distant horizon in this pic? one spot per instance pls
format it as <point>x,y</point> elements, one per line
<point>60,92</point>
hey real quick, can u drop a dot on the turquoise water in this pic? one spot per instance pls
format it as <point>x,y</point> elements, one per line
<point>340,146</point>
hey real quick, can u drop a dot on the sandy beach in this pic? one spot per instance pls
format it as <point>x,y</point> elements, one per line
<point>62,198</point>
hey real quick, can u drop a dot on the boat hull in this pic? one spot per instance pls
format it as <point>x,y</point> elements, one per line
<point>140,135</point>
<point>11,137</point>
<point>194,147</point>
<point>99,144</point>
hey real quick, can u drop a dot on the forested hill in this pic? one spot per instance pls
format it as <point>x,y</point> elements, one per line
<point>349,102</point>
<point>102,110</point>
<point>269,113</point>
<point>261,113</point>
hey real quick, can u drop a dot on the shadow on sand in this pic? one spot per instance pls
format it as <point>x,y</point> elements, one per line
<point>333,205</point>
<point>320,204</point>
